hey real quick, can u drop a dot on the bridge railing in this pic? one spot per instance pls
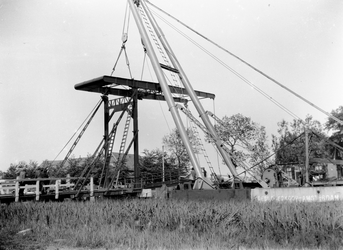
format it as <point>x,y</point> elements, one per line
<point>147,180</point>
<point>13,186</point>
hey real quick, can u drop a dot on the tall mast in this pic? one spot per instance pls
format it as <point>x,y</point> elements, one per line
<point>219,144</point>
<point>134,4</point>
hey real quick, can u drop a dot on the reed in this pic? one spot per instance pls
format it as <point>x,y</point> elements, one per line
<point>171,224</point>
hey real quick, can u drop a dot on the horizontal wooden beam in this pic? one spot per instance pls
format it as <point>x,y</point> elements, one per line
<point>325,160</point>
<point>110,83</point>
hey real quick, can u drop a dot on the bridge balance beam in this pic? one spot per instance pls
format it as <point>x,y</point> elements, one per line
<point>147,90</point>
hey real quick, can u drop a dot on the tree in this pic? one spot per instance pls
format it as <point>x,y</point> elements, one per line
<point>260,153</point>
<point>121,165</point>
<point>11,172</point>
<point>337,133</point>
<point>29,168</point>
<point>151,161</point>
<point>175,146</point>
<point>246,140</point>
<point>75,166</point>
<point>289,147</point>
<point>332,124</point>
<point>151,165</point>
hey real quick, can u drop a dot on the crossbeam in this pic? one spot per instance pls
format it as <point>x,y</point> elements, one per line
<point>148,90</point>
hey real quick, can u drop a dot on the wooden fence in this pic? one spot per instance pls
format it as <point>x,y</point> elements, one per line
<point>13,186</point>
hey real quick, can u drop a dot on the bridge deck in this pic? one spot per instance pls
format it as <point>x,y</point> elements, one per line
<point>70,194</point>
<point>18,190</point>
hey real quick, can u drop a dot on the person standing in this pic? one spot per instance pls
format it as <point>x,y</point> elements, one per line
<point>193,174</point>
<point>204,172</point>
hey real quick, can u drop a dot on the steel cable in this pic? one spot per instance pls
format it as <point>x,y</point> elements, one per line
<point>78,129</point>
<point>251,66</point>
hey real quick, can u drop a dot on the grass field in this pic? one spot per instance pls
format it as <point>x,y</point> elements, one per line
<point>160,224</point>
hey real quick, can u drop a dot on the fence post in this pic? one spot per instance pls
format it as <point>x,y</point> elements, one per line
<point>37,190</point>
<point>68,181</point>
<point>91,192</point>
<point>57,188</point>
<point>17,189</point>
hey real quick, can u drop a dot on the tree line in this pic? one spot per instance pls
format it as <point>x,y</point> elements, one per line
<point>245,139</point>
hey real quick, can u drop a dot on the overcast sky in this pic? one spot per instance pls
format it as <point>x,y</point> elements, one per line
<point>46,47</point>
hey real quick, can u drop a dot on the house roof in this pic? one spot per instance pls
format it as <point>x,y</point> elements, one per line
<point>129,161</point>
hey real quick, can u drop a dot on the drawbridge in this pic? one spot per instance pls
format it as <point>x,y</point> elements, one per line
<point>172,87</point>
<point>134,91</point>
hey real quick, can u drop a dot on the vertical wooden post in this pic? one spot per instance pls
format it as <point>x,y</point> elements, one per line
<point>163,164</point>
<point>57,189</point>
<point>17,189</point>
<point>91,192</point>
<point>137,169</point>
<point>68,181</point>
<point>106,138</point>
<point>306,158</point>
<point>37,190</point>
<point>2,190</point>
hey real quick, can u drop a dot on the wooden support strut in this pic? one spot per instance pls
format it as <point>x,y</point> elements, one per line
<point>165,88</point>
<point>106,136</point>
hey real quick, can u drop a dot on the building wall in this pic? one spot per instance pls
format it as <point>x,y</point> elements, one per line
<point>298,194</point>
<point>219,195</point>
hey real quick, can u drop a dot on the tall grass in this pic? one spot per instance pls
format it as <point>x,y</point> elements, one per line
<point>155,224</point>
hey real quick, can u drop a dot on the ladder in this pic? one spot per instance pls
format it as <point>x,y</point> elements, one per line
<point>125,133</point>
<point>196,133</point>
<point>202,127</point>
<point>89,168</point>
<point>80,135</point>
<point>120,165</point>
<point>121,157</point>
<point>159,48</point>
<point>111,139</point>
<point>110,147</point>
